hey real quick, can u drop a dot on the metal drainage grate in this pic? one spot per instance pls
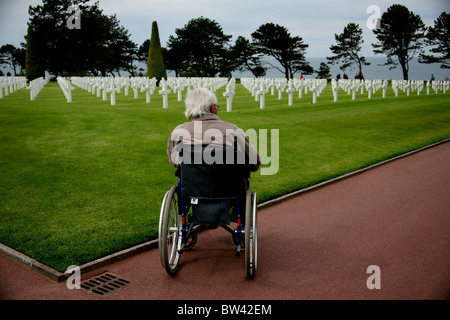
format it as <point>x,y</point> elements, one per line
<point>104,284</point>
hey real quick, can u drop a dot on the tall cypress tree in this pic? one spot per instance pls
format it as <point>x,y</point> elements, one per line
<point>155,64</point>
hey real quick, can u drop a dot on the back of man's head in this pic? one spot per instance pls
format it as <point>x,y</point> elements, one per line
<point>198,102</point>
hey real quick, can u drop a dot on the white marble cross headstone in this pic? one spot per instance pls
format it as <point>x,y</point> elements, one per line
<point>395,87</point>
<point>314,89</point>
<point>385,85</point>
<point>301,84</point>
<point>149,86</point>
<point>104,87</point>
<point>113,91</point>
<point>280,87</point>
<point>135,87</point>
<point>335,88</point>
<point>408,88</point>
<point>164,92</point>
<point>290,90</point>
<point>419,87</point>
<point>353,87</point>
<point>229,93</point>
<point>369,89</point>
<point>262,91</point>
<point>180,87</point>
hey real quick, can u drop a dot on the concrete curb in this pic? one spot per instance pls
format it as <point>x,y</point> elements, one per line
<point>127,253</point>
<point>118,256</point>
<point>31,263</point>
<point>57,276</point>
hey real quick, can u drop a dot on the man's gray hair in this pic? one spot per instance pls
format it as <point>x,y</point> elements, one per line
<point>198,102</point>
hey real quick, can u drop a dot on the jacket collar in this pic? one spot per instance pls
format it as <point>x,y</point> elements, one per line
<point>207,117</point>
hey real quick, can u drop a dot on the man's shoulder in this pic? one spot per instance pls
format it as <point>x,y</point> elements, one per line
<point>183,125</point>
<point>229,125</point>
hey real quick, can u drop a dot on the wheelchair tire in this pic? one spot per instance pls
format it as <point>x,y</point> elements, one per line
<point>169,236</point>
<point>251,233</point>
<point>191,241</point>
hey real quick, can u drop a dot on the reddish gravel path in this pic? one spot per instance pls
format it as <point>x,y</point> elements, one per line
<point>315,246</point>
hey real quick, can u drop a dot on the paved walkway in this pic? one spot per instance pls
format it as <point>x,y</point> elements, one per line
<point>317,245</point>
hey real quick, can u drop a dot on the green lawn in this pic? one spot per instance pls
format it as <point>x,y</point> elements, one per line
<point>83,180</point>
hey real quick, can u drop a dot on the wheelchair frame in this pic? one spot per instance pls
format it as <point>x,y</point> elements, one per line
<point>178,232</point>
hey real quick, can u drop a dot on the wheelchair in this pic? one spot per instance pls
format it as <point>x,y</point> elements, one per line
<point>208,195</point>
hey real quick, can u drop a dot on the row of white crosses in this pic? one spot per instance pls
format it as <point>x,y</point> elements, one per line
<point>66,88</point>
<point>351,86</point>
<point>35,86</point>
<point>11,84</point>
<point>409,86</point>
<point>178,84</point>
<point>419,85</point>
<point>104,85</point>
<point>440,85</point>
<point>261,86</point>
<point>317,86</point>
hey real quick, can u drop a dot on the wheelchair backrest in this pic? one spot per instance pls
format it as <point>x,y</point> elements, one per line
<point>212,173</point>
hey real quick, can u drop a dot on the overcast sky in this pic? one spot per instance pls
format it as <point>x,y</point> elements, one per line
<point>316,21</point>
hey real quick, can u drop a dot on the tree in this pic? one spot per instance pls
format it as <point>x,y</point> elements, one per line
<point>155,64</point>
<point>401,35</point>
<point>439,36</point>
<point>13,57</point>
<point>200,49</point>
<point>274,40</point>
<point>142,53</point>
<point>247,57</point>
<point>33,67</point>
<point>175,58</point>
<point>101,44</point>
<point>348,47</point>
<point>108,49</point>
<point>324,71</point>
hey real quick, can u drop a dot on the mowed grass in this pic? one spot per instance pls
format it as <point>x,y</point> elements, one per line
<point>86,179</point>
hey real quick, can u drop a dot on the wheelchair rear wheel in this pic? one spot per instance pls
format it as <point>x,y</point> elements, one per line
<point>251,233</point>
<point>170,235</point>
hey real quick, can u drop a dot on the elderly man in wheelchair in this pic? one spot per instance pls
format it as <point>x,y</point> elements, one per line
<point>214,159</point>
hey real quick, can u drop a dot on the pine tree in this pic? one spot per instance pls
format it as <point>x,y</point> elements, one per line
<point>348,47</point>
<point>155,65</point>
<point>400,37</point>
